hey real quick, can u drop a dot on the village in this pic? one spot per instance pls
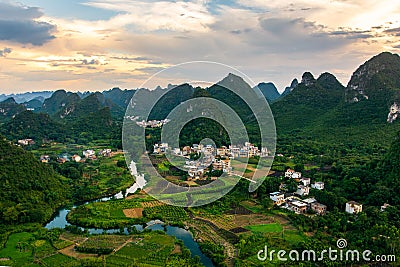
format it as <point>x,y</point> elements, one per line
<point>203,160</point>
<point>212,159</point>
<point>148,124</point>
<point>88,154</point>
<point>152,123</point>
<point>294,201</point>
<point>220,159</point>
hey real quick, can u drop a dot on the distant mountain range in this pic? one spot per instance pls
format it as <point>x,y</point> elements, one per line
<point>26,97</point>
<point>366,108</point>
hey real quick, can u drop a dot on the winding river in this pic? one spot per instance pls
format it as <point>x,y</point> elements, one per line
<point>60,221</point>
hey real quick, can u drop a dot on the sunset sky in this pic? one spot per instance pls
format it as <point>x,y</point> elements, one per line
<point>99,44</point>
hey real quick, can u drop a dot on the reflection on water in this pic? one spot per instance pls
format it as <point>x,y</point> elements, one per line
<point>60,221</point>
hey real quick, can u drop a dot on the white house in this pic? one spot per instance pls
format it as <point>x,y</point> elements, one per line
<point>353,207</point>
<point>318,185</point>
<point>309,201</point>
<point>76,158</point>
<point>319,208</point>
<point>277,197</point>
<point>222,151</point>
<point>89,153</point>
<point>195,172</point>
<point>384,206</point>
<point>306,181</point>
<point>292,174</point>
<point>296,175</point>
<point>303,190</point>
<point>160,148</point>
<point>26,142</point>
<point>45,158</point>
<point>289,173</point>
<point>264,152</point>
<point>298,206</point>
<point>105,152</point>
<point>177,151</point>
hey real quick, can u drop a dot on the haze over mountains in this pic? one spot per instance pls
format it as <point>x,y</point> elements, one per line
<point>315,106</point>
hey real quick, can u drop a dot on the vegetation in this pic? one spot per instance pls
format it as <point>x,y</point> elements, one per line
<point>266,228</point>
<point>29,190</point>
<point>102,244</point>
<point>214,252</point>
<point>348,146</point>
<point>34,249</point>
<point>95,178</point>
<point>169,214</point>
<point>105,215</point>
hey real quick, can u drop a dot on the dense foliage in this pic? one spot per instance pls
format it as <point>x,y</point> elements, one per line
<point>29,190</point>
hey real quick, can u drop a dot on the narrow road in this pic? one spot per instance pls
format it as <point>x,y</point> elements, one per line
<point>123,245</point>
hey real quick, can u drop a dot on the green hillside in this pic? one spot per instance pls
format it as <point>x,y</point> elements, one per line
<point>9,108</point>
<point>29,190</point>
<point>323,112</point>
<point>32,125</point>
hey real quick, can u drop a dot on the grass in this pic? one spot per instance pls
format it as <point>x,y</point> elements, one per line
<point>166,213</point>
<point>60,260</point>
<point>151,249</point>
<point>60,244</point>
<point>266,228</point>
<point>97,243</point>
<point>293,237</point>
<point>106,214</point>
<point>252,206</point>
<point>17,256</point>
<point>22,249</point>
<point>162,167</point>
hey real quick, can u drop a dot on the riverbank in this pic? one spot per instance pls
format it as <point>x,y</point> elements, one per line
<point>85,220</point>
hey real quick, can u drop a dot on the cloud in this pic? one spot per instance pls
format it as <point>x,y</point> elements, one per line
<point>393,31</point>
<point>353,34</point>
<point>136,15</point>
<point>133,58</point>
<point>5,52</point>
<point>240,31</point>
<point>269,40</point>
<point>297,35</point>
<point>91,62</point>
<point>150,69</point>
<point>20,24</point>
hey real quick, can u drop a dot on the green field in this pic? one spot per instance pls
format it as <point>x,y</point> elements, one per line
<point>24,249</point>
<point>19,256</point>
<point>150,249</point>
<point>166,213</point>
<point>60,260</point>
<point>266,228</point>
<point>106,214</point>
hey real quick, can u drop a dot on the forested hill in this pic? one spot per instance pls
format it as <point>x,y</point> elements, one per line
<point>390,171</point>
<point>355,116</point>
<point>320,109</point>
<point>30,191</point>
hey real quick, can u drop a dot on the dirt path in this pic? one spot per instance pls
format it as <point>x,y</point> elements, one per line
<point>123,245</point>
<point>71,252</point>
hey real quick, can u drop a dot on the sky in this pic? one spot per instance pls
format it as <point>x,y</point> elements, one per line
<point>95,45</point>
